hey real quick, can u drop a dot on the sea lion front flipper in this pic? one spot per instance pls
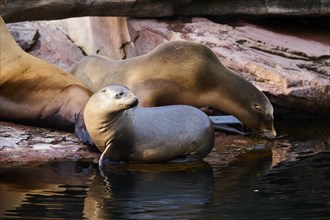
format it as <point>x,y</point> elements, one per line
<point>80,130</point>
<point>105,155</point>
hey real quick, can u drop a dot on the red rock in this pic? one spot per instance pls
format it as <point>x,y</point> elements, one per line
<point>292,69</point>
<point>20,145</point>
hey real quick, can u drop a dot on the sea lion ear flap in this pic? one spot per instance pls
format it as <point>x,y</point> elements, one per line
<point>257,107</point>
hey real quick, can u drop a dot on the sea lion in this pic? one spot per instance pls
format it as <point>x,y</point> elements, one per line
<point>180,72</point>
<point>157,134</point>
<point>35,92</point>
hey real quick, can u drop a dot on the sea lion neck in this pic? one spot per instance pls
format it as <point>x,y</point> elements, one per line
<point>7,41</point>
<point>103,126</point>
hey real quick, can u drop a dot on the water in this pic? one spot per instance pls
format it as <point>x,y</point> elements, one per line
<point>289,180</point>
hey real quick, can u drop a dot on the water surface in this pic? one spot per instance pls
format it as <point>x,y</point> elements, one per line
<point>289,180</point>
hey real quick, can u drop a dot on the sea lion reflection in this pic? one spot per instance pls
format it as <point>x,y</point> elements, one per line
<point>139,191</point>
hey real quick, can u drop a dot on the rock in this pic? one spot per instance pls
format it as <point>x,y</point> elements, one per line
<point>286,61</point>
<point>293,69</point>
<point>64,42</point>
<point>21,145</point>
<point>107,36</point>
<point>48,42</point>
<point>49,10</point>
<point>25,35</point>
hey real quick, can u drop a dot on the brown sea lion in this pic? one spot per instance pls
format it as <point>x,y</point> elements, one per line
<point>35,92</point>
<point>180,72</point>
<point>124,133</point>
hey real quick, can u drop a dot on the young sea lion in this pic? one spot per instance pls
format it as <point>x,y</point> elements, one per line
<point>180,72</point>
<point>157,134</point>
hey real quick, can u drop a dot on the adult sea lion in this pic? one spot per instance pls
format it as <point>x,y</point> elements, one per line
<point>180,72</point>
<point>35,92</point>
<point>124,133</point>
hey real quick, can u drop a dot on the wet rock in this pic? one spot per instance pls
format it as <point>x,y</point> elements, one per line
<point>229,148</point>
<point>21,145</point>
<point>25,145</point>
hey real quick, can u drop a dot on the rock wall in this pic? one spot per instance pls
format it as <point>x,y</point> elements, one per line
<point>289,62</point>
<point>18,10</point>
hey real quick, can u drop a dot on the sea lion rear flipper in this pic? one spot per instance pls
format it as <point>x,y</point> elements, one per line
<point>228,123</point>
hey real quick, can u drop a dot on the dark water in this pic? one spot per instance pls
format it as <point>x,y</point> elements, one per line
<point>256,186</point>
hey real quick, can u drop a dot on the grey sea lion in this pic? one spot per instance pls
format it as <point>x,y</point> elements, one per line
<point>157,134</point>
<point>180,72</point>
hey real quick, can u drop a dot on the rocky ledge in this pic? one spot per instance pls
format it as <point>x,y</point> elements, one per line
<point>30,146</point>
<point>22,145</point>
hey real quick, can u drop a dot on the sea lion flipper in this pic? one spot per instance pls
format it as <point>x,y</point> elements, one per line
<point>80,130</point>
<point>228,123</point>
<point>105,155</point>
<point>186,159</point>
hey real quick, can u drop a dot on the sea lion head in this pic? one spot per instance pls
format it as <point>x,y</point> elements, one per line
<point>114,98</point>
<point>265,123</point>
<point>258,115</point>
<point>245,101</point>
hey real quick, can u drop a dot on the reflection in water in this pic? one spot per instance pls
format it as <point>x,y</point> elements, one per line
<point>142,195</point>
<point>247,189</point>
<point>294,183</point>
<point>77,190</point>
<point>300,188</point>
<point>56,190</point>
<point>292,190</point>
<point>305,138</point>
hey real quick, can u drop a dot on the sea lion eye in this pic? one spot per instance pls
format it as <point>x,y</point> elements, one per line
<point>257,107</point>
<point>103,91</point>
<point>119,95</point>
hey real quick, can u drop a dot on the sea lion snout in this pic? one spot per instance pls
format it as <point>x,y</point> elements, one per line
<point>134,103</point>
<point>266,127</point>
<point>263,123</point>
<point>268,134</point>
<point>128,98</point>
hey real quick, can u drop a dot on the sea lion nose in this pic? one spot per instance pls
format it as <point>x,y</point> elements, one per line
<point>136,102</point>
<point>274,133</point>
<point>271,134</point>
